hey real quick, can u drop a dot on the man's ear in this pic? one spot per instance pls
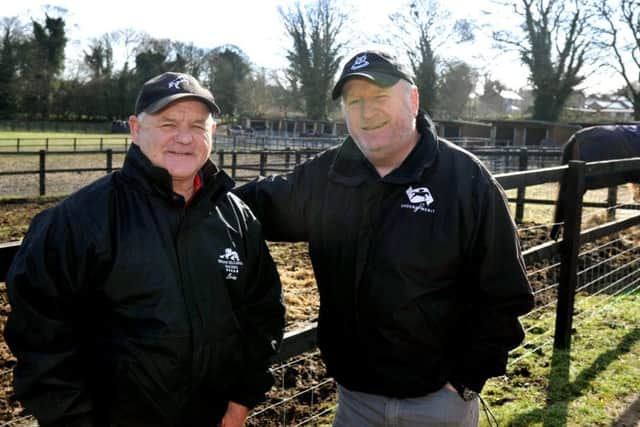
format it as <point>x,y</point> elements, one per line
<point>134,127</point>
<point>214,126</point>
<point>415,99</point>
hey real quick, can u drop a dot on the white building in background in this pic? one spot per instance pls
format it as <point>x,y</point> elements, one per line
<point>613,108</point>
<point>513,102</point>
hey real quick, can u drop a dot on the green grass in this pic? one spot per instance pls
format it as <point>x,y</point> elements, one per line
<point>60,141</point>
<point>589,386</point>
<point>48,134</point>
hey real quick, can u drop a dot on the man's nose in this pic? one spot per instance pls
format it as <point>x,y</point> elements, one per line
<point>368,108</point>
<point>184,135</point>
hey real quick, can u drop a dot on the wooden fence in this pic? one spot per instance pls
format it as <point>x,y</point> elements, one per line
<point>244,165</point>
<point>567,248</point>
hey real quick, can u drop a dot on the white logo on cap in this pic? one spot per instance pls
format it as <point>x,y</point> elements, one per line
<point>360,62</point>
<point>177,82</point>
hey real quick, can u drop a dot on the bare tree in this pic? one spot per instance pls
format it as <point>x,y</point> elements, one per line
<point>127,40</point>
<point>554,45</point>
<point>620,35</point>
<point>315,57</point>
<point>99,58</point>
<point>422,28</point>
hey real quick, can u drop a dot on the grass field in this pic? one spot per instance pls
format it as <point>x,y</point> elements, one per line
<point>42,135</point>
<point>596,384</point>
<point>63,141</point>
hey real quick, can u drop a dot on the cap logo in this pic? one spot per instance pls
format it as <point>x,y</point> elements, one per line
<point>360,62</point>
<point>177,82</point>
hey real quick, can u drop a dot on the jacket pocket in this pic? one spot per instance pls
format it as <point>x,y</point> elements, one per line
<point>149,382</point>
<point>223,359</point>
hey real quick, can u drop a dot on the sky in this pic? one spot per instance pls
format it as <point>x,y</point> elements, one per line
<point>255,27</point>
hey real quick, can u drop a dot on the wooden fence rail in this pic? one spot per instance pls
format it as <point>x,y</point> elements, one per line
<point>243,165</point>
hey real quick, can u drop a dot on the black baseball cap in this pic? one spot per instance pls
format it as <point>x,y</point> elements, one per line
<point>380,67</point>
<point>162,90</point>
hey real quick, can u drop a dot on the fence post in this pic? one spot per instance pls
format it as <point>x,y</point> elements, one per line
<point>298,157</point>
<point>234,163</point>
<point>523,157</point>
<point>569,248</point>
<point>109,161</point>
<point>612,201</point>
<point>263,163</point>
<point>287,157</point>
<point>18,145</point>
<point>126,141</point>
<point>75,144</point>
<point>101,144</point>
<point>46,144</point>
<point>42,171</point>
<point>221,159</point>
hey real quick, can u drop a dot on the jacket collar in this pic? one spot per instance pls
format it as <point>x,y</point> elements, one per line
<point>350,167</point>
<point>154,179</point>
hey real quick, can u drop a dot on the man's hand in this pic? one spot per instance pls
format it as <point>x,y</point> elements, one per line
<point>235,416</point>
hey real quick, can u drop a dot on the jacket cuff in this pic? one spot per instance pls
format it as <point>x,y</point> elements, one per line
<point>473,382</point>
<point>250,401</point>
<point>251,389</point>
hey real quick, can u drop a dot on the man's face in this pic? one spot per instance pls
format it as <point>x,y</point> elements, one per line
<point>177,138</point>
<point>381,120</point>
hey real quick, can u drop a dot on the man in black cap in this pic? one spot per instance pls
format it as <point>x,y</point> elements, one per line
<point>149,297</point>
<point>416,257</point>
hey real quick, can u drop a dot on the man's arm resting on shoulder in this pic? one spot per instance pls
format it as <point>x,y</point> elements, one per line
<point>280,203</point>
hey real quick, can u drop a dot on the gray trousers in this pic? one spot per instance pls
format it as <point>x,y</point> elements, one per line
<point>441,408</point>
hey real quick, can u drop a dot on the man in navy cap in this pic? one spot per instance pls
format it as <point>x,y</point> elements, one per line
<point>416,257</point>
<point>149,297</point>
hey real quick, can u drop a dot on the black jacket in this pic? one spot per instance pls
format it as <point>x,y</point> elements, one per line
<point>132,308</point>
<point>420,274</point>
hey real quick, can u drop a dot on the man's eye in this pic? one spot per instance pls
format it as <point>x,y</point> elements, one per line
<point>352,102</point>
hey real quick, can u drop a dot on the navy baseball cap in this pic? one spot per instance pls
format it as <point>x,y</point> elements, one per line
<point>380,67</point>
<point>162,90</point>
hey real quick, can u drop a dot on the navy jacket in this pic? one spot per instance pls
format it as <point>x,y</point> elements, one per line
<point>420,274</point>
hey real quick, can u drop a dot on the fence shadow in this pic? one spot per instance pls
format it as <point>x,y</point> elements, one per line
<point>561,392</point>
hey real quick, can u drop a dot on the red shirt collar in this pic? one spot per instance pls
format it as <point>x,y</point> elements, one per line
<point>197,185</point>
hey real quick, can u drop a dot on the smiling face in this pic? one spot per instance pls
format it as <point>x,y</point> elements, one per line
<point>177,138</point>
<point>381,120</point>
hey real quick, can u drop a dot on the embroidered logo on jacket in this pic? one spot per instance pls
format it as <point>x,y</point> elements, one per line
<point>419,200</point>
<point>230,260</point>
